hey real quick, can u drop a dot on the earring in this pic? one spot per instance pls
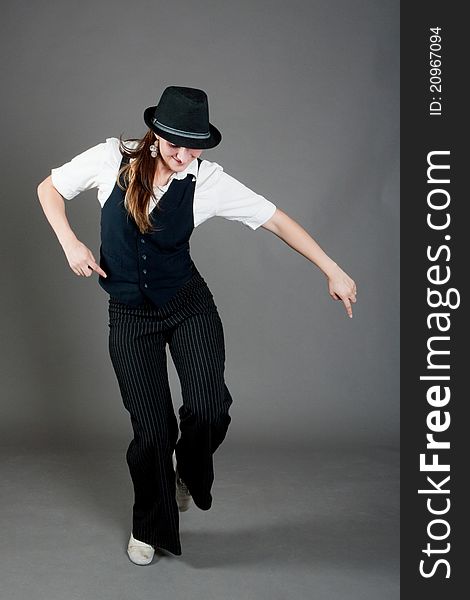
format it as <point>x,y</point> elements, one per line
<point>154,150</point>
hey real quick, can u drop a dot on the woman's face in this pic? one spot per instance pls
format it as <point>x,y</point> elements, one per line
<point>177,158</point>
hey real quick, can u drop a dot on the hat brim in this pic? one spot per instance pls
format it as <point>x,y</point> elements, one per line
<point>186,142</point>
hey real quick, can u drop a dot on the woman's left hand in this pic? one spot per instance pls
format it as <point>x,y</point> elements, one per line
<point>342,287</point>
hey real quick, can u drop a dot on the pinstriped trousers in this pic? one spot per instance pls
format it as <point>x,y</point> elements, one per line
<point>190,324</point>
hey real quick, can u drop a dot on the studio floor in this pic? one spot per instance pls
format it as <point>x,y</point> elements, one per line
<point>285,523</point>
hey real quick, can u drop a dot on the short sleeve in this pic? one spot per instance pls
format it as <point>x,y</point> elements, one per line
<point>231,199</point>
<point>81,173</point>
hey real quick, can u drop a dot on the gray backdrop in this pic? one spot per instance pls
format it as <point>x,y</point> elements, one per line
<point>306,96</point>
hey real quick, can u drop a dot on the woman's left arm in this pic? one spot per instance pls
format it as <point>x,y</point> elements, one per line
<point>340,285</point>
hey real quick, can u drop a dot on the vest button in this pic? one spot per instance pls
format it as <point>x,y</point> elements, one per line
<point>145,285</point>
<point>142,240</point>
<point>144,256</point>
<point>144,271</point>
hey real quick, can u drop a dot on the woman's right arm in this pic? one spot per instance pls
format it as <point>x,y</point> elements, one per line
<point>80,258</point>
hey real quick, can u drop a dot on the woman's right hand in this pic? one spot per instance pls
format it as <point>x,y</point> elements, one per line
<point>81,259</point>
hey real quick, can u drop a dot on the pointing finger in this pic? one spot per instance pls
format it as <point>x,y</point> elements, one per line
<point>347,304</point>
<point>98,269</point>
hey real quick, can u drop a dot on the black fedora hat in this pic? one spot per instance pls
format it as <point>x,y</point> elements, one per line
<point>182,118</point>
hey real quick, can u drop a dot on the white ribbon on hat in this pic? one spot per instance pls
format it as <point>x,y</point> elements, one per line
<point>189,134</point>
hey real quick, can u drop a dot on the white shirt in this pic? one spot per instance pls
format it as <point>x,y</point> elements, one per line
<point>216,194</point>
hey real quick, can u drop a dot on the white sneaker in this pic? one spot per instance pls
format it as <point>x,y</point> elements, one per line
<point>183,497</point>
<point>139,552</point>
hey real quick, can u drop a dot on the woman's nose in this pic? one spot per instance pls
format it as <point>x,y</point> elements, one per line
<point>182,154</point>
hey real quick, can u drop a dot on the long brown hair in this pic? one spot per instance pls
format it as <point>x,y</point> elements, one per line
<point>138,178</point>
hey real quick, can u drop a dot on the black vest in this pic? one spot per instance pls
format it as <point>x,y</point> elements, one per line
<point>151,265</point>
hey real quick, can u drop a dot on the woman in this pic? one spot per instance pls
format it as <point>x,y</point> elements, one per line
<point>154,191</point>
